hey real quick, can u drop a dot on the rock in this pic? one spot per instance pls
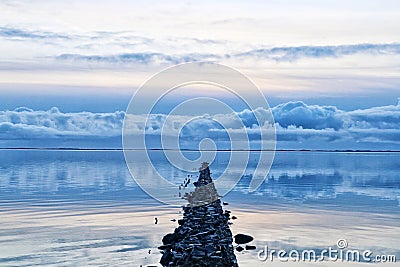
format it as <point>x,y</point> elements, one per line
<point>249,247</point>
<point>168,239</point>
<point>239,248</point>
<point>234,217</point>
<point>203,237</point>
<point>166,257</point>
<point>243,239</point>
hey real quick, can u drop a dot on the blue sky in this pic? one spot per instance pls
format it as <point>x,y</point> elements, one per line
<point>93,55</point>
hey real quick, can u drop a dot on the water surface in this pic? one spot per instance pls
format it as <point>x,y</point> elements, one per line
<point>82,208</point>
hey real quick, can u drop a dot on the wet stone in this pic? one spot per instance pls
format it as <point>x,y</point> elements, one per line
<point>243,239</point>
<point>168,239</point>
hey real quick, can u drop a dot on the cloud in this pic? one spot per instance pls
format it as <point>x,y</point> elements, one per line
<point>21,34</point>
<point>25,124</point>
<point>387,117</point>
<point>276,54</point>
<point>316,117</point>
<point>94,46</point>
<point>308,117</point>
<point>141,58</point>
<point>131,47</point>
<point>298,52</point>
<point>296,122</point>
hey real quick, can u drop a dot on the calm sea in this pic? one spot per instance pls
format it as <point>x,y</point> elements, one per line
<point>82,208</point>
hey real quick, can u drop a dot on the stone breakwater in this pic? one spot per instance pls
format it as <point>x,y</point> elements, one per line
<point>203,237</point>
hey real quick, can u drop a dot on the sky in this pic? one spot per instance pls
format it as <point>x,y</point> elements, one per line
<point>91,56</point>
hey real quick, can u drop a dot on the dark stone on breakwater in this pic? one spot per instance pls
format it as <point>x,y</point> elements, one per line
<point>249,247</point>
<point>239,248</point>
<point>203,237</point>
<point>243,239</point>
<point>168,239</point>
<point>166,257</point>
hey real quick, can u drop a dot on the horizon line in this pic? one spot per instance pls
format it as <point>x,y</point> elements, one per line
<point>201,150</point>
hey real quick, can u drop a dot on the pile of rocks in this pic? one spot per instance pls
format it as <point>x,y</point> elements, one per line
<point>203,237</point>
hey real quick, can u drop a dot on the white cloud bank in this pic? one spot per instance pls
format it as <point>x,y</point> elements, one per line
<point>298,126</point>
<point>25,123</point>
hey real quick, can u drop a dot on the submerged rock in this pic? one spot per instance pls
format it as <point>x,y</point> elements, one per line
<point>203,237</point>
